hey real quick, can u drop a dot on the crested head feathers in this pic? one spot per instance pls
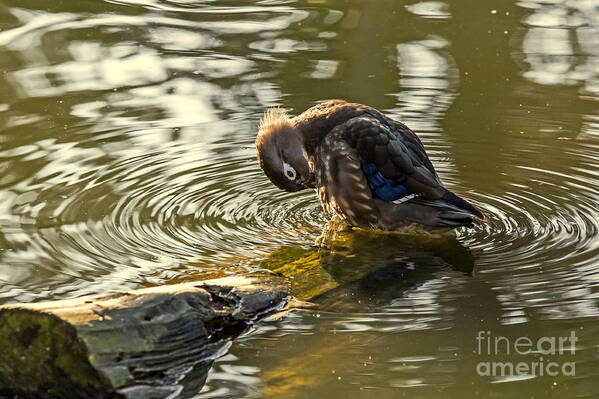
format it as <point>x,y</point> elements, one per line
<point>273,120</point>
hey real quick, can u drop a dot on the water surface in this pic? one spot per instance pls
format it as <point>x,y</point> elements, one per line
<point>127,160</point>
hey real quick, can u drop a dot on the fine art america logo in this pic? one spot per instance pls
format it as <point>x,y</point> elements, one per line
<point>547,354</point>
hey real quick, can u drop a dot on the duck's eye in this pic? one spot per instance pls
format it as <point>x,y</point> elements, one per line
<point>289,171</point>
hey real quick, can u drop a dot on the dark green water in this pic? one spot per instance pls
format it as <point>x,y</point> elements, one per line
<point>127,160</point>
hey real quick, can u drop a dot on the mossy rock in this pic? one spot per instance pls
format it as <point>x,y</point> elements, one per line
<point>41,356</point>
<point>344,256</point>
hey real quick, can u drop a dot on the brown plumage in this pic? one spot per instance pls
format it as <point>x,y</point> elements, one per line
<point>369,169</point>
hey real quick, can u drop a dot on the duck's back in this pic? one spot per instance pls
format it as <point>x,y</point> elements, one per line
<point>375,172</point>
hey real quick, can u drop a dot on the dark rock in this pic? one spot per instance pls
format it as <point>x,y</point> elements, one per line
<point>147,343</point>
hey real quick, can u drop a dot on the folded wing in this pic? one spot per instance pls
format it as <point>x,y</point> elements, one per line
<point>368,160</point>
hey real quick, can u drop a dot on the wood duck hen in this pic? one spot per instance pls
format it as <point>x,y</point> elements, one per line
<point>369,169</point>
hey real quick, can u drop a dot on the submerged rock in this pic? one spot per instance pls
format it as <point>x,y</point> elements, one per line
<point>369,266</point>
<point>149,343</point>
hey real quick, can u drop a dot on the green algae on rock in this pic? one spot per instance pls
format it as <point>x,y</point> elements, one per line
<point>344,256</point>
<point>42,356</point>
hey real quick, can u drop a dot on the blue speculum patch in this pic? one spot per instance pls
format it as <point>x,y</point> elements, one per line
<point>386,189</point>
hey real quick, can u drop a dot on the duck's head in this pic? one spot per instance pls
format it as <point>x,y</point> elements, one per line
<point>281,152</point>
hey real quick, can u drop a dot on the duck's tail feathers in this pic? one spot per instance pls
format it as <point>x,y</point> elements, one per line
<point>453,211</point>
